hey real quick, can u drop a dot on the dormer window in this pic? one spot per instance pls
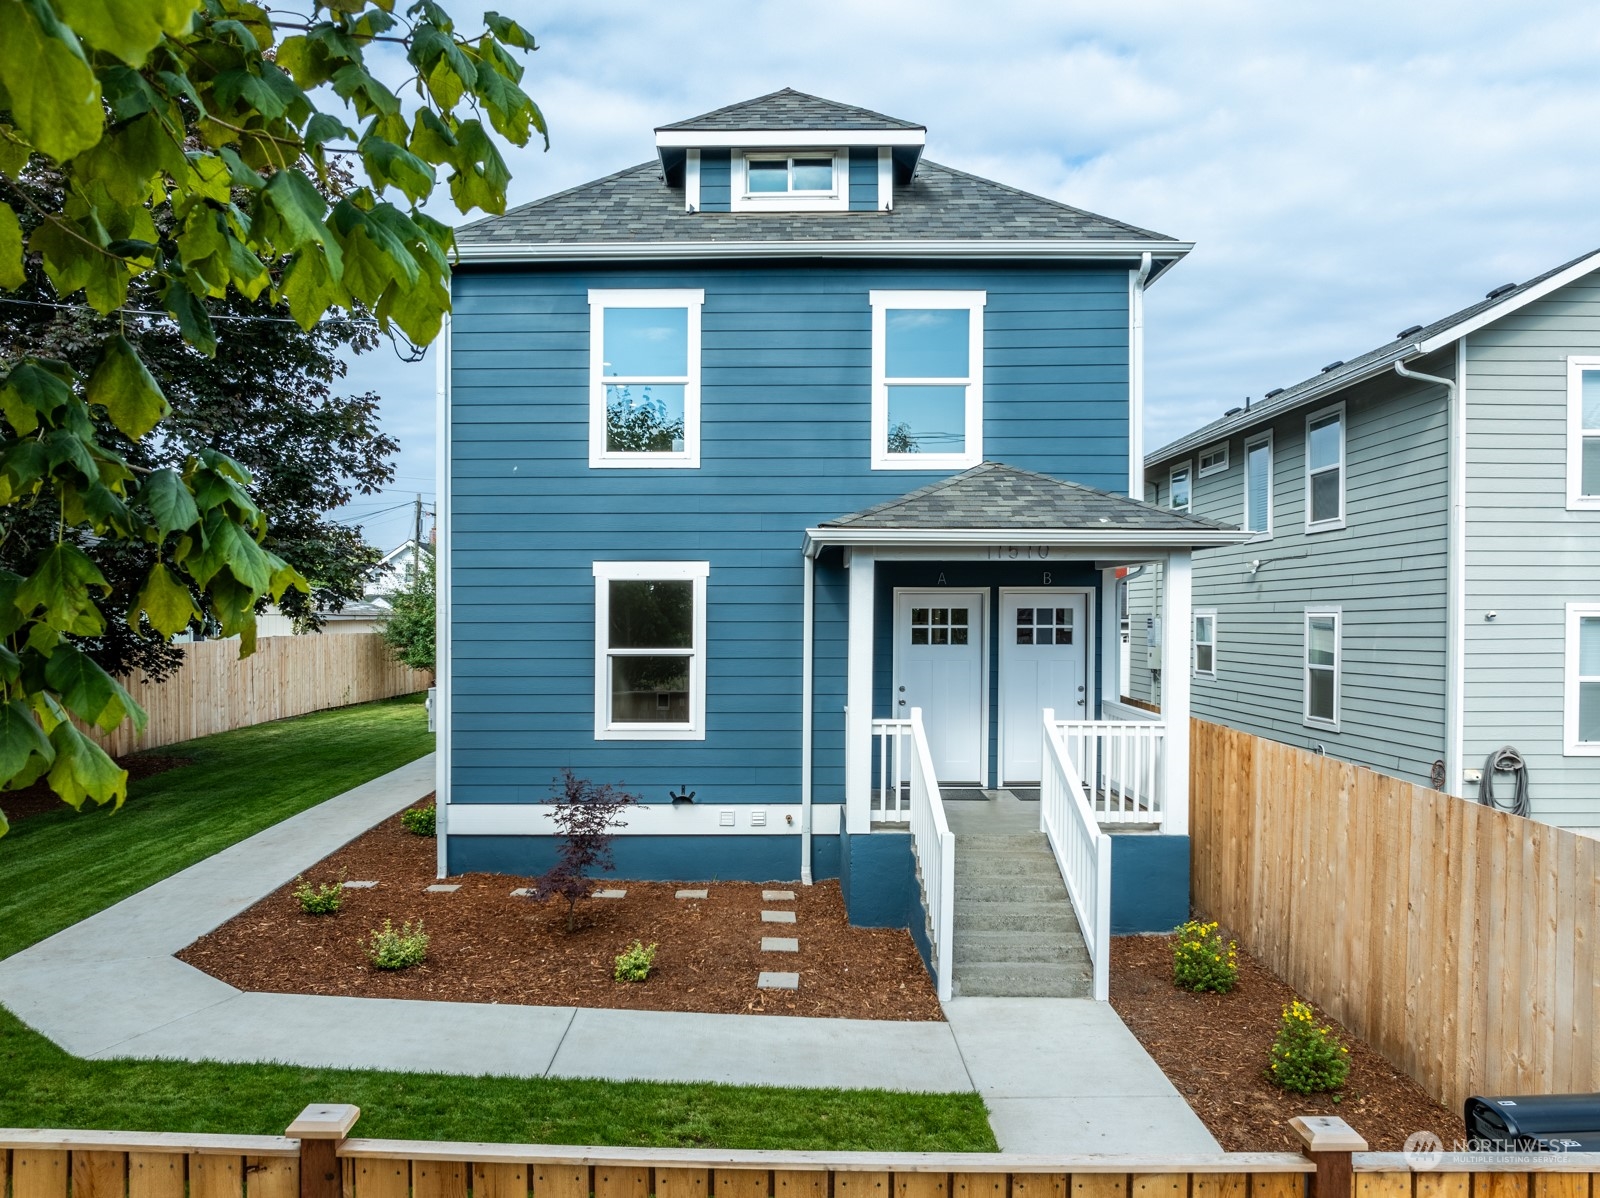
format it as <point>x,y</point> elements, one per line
<point>794,176</point>
<point>802,181</point>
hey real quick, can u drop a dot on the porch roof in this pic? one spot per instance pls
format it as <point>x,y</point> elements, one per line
<point>995,503</point>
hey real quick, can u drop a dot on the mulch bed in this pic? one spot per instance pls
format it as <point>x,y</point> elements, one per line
<point>486,946</point>
<point>1214,1047</point>
<point>39,798</point>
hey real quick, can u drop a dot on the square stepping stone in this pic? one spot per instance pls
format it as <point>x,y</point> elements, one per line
<point>777,896</point>
<point>360,885</point>
<point>779,944</point>
<point>777,917</point>
<point>778,981</point>
<point>691,894</point>
<point>443,888</point>
<point>609,894</point>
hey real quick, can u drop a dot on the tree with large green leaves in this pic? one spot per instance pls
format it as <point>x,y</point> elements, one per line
<point>190,138</point>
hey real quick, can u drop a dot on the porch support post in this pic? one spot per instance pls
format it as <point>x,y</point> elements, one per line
<point>1111,680</point>
<point>858,696</point>
<point>1177,627</point>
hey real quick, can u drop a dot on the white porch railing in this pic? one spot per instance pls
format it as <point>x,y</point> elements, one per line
<point>1082,850</point>
<point>1122,766</point>
<point>891,754</point>
<point>935,846</point>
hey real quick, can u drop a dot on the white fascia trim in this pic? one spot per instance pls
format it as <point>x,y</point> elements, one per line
<point>778,139</point>
<point>691,299</point>
<point>634,571</point>
<point>981,538</point>
<point>1510,304</point>
<point>653,819</point>
<point>590,251</point>
<point>1577,501</point>
<point>971,302</point>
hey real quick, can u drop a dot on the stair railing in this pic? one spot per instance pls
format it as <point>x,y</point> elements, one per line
<point>935,847</point>
<point>1082,850</point>
<point>891,741</point>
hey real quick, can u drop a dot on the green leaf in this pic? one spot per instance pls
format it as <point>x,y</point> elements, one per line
<point>58,592</point>
<point>165,601</point>
<point>128,29</point>
<point>481,176</point>
<point>227,545</point>
<point>128,159</point>
<point>31,391</point>
<point>310,287</point>
<point>389,164</point>
<point>82,770</point>
<point>127,390</point>
<point>90,693</point>
<point>194,322</point>
<point>12,275</point>
<point>292,210</point>
<point>54,95</point>
<point>25,751</point>
<point>431,138</point>
<point>13,153</point>
<point>510,110</point>
<point>508,31</point>
<point>165,496</point>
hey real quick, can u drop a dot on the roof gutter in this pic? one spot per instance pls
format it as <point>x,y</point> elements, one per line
<point>988,538</point>
<point>1084,251</point>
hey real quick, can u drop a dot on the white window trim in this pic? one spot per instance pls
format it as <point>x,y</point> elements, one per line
<point>1205,471</point>
<point>691,299</point>
<point>973,302</point>
<point>1577,501</point>
<point>1209,613</point>
<point>1172,490</point>
<point>1244,522</point>
<point>1572,746</point>
<point>1344,468</point>
<point>742,199</point>
<point>1306,718</point>
<point>606,573</point>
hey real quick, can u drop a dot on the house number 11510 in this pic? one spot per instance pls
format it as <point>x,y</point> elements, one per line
<point>1018,552</point>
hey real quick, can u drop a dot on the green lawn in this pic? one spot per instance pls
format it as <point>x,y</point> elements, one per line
<point>58,868</point>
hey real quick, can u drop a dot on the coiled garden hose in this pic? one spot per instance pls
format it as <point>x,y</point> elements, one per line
<point>1507,760</point>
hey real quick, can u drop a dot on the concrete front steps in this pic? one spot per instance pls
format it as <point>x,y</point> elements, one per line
<point>1016,935</point>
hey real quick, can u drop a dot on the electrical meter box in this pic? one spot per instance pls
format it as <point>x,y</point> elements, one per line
<point>1152,642</point>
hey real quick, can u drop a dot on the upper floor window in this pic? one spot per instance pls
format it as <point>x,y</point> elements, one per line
<point>1214,459</point>
<point>644,378</point>
<point>1182,489</point>
<point>1323,666</point>
<point>1258,484</point>
<point>1325,470</point>
<point>1583,433</point>
<point>814,180</point>
<point>650,650</point>
<point>927,379</point>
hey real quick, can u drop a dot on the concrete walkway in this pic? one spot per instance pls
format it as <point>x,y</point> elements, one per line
<point>1059,1075</point>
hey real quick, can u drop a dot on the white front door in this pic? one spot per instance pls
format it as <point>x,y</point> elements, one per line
<point>938,666</point>
<point>1044,639</point>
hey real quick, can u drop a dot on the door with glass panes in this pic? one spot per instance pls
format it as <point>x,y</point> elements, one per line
<point>1044,638</point>
<point>938,666</point>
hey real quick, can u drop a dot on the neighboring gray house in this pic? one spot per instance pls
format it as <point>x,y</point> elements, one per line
<point>1424,587</point>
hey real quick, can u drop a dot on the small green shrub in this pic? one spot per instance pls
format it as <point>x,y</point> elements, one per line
<point>420,821</point>
<point>319,900</point>
<point>634,964</point>
<point>398,950</point>
<point>1306,1058</point>
<point>1201,960</point>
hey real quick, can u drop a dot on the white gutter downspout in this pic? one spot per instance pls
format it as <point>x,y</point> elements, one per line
<point>1136,282</point>
<point>807,684</point>
<point>1455,566</point>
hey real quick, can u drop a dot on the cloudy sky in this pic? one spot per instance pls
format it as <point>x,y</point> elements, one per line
<point>1345,170</point>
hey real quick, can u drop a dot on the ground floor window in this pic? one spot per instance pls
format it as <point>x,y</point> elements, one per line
<point>1583,680</point>
<point>1322,667</point>
<point>650,634</point>
<point>1205,642</point>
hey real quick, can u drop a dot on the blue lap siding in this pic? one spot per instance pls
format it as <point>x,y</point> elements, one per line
<point>786,401</point>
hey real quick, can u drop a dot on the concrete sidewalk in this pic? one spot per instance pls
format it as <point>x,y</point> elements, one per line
<point>1059,1075</point>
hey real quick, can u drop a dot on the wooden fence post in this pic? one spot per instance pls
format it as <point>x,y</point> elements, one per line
<point>320,1130</point>
<point>1329,1141</point>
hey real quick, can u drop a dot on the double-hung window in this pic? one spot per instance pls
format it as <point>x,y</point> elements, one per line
<point>1583,433</point>
<point>1182,489</point>
<point>1258,484</point>
<point>1325,470</point>
<point>650,650</point>
<point>1205,642</point>
<point>1583,680</point>
<point>1323,667</point>
<point>644,378</point>
<point>927,379</point>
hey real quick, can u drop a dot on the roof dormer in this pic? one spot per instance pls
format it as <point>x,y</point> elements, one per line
<point>789,152</point>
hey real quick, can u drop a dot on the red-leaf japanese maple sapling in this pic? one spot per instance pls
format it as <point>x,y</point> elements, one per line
<point>586,817</point>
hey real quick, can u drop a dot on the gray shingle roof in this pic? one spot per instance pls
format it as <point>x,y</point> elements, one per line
<point>789,110</point>
<point>634,206</point>
<point>1325,383</point>
<point>997,496</point>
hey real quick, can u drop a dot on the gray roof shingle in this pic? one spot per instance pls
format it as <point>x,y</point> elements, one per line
<point>996,496</point>
<point>788,110</point>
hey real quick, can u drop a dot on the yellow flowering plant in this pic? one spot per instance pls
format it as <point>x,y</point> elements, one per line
<point>1202,960</point>
<point>1307,1058</point>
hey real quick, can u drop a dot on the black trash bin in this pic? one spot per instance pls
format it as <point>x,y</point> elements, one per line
<point>1534,1123</point>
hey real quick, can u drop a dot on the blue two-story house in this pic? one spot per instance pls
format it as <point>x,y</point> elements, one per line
<point>784,481</point>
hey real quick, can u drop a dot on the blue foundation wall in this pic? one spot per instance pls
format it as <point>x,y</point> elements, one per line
<point>1149,882</point>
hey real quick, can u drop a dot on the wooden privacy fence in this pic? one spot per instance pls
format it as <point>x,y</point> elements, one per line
<point>316,1160</point>
<point>1459,941</point>
<point>214,690</point>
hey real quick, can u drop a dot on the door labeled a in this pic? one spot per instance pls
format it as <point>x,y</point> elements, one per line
<point>939,648</point>
<point>1044,658</point>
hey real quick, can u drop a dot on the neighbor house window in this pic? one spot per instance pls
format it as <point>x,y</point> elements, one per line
<point>1205,642</point>
<point>927,379</point>
<point>644,378</point>
<point>1583,680</point>
<point>1258,484</point>
<point>1325,470</point>
<point>1583,433</point>
<point>650,650</point>
<point>1182,489</point>
<point>811,180</point>
<point>1322,662</point>
<point>1214,460</point>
